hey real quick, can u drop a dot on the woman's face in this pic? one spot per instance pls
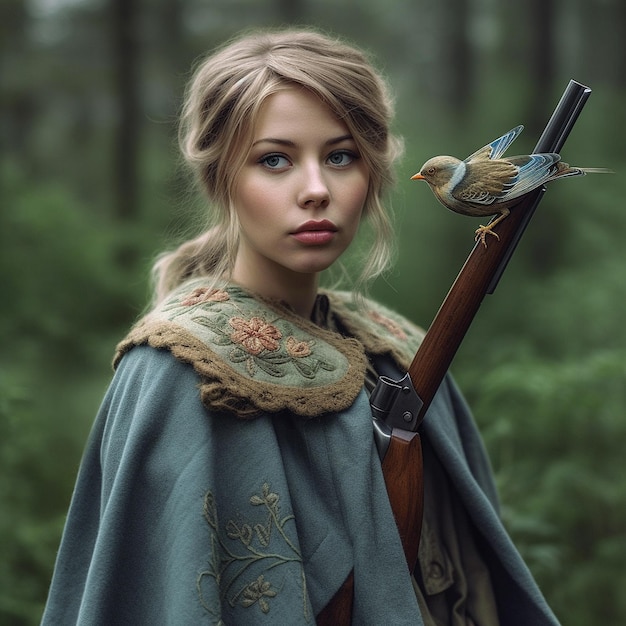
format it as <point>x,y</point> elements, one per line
<point>300,194</point>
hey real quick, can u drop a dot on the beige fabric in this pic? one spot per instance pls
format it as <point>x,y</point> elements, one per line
<point>455,587</point>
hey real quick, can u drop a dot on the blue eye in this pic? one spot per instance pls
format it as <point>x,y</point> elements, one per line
<point>341,158</point>
<point>274,161</point>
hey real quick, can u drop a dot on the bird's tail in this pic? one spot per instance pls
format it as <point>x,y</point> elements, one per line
<point>565,169</point>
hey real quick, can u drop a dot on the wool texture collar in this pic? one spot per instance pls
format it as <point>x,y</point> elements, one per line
<point>256,356</point>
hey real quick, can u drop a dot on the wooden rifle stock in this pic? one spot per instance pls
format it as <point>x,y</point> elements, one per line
<point>479,276</point>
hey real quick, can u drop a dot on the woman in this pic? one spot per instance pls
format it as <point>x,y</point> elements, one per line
<point>232,475</point>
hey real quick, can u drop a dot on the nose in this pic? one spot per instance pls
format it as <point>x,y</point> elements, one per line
<point>314,191</point>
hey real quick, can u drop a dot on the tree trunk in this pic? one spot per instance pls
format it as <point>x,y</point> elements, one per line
<point>542,61</point>
<point>459,56</point>
<point>126,89</point>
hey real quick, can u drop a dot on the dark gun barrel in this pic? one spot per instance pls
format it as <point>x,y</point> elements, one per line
<point>552,140</point>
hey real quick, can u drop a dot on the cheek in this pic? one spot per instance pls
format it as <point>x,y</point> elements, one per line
<point>357,195</point>
<point>253,201</point>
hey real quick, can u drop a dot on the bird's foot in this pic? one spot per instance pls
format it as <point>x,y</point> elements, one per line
<point>482,232</point>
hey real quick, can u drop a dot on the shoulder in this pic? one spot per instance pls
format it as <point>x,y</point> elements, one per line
<point>148,389</point>
<point>380,329</point>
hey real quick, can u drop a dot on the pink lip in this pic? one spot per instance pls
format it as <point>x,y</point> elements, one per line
<point>312,225</point>
<point>315,233</point>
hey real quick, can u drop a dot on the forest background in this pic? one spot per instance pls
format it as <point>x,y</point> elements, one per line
<point>92,188</point>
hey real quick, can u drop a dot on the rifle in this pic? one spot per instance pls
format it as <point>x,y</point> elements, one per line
<point>399,406</point>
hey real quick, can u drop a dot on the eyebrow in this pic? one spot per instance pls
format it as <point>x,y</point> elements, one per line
<point>291,144</point>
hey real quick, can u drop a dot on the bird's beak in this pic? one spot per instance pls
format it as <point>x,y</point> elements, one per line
<point>417,176</point>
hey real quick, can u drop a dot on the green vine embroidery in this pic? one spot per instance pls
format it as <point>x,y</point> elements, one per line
<point>248,544</point>
<point>256,343</point>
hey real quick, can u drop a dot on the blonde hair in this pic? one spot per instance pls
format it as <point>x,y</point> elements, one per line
<point>221,107</point>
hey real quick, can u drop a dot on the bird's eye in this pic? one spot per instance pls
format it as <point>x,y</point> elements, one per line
<point>430,170</point>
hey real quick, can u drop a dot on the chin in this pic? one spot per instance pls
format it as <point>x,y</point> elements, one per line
<point>314,267</point>
<point>316,263</point>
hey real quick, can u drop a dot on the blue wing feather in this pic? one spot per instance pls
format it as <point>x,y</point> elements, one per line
<point>534,171</point>
<point>498,147</point>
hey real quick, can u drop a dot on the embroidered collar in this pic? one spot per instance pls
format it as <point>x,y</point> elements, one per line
<point>255,356</point>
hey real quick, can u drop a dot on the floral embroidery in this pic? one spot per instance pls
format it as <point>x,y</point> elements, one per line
<point>248,544</point>
<point>204,294</point>
<point>256,343</point>
<point>389,324</point>
<point>298,349</point>
<point>255,591</point>
<point>255,334</point>
<point>253,355</point>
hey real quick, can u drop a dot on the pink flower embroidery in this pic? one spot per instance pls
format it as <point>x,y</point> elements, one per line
<point>255,334</point>
<point>204,294</point>
<point>297,349</point>
<point>390,325</point>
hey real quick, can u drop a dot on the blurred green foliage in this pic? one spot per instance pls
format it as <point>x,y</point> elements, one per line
<point>543,366</point>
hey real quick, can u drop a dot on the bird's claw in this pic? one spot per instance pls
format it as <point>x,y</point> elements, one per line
<point>482,232</point>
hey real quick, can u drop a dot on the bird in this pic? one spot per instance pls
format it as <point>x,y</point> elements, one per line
<point>486,183</point>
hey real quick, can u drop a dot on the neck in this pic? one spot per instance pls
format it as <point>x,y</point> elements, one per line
<point>301,296</point>
<point>298,291</point>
